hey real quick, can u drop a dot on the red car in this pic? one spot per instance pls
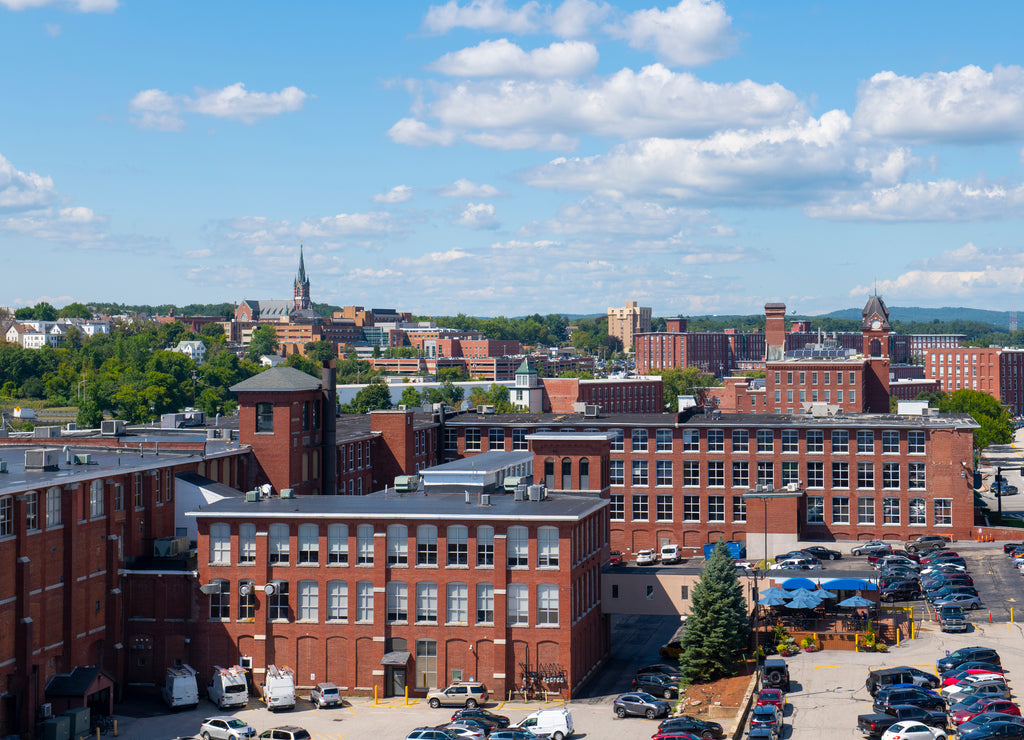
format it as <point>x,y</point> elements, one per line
<point>938,555</point>
<point>615,558</point>
<point>772,697</point>
<point>954,678</point>
<point>676,735</point>
<point>875,557</point>
<point>1005,706</point>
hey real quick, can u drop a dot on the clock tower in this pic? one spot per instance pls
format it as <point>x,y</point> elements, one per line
<point>875,328</point>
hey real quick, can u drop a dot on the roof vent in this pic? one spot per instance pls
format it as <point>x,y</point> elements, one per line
<point>485,499</point>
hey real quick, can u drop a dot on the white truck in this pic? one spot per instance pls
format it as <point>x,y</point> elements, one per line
<point>228,687</point>
<point>180,687</point>
<point>279,688</point>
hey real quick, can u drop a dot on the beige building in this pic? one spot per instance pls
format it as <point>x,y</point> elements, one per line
<point>625,322</point>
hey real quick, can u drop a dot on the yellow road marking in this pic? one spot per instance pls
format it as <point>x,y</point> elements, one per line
<point>825,666</point>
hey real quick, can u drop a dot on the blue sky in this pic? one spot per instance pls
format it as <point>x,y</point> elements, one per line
<point>505,157</point>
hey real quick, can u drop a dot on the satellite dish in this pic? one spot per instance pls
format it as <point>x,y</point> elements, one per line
<point>267,489</point>
<point>245,589</point>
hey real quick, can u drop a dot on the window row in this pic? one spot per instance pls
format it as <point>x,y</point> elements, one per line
<point>306,604</point>
<point>744,474</point>
<point>892,511</point>
<point>399,549</point>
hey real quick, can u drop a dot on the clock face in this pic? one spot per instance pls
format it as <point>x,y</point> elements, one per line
<point>876,324</point>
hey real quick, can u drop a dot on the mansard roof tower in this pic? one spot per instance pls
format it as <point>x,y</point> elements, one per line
<point>301,295</point>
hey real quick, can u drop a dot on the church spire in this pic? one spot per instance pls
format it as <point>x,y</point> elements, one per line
<point>301,293</point>
<point>300,278</point>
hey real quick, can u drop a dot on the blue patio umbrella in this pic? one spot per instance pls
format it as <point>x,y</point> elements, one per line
<point>803,601</point>
<point>856,602</point>
<point>771,601</point>
<point>775,591</point>
<point>825,594</point>
<point>804,592</point>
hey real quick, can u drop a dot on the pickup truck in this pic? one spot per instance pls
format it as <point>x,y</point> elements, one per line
<point>952,619</point>
<point>875,725</point>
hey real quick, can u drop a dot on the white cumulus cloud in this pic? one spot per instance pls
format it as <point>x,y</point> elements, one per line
<point>161,111</point>
<point>23,190</point>
<point>502,58</point>
<point>693,33</point>
<point>942,200</point>
<point>397,194</point>
<point>417,133</point>
<point>82,6</point>
<point>574,18</point>
<point>969,104</point>
<point>465,189</point>
<point>482,15</point>
<point>477,216</point>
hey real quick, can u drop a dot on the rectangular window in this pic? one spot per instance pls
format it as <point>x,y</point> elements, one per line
<point>865,441</point>
<point>840,475</point>
<point>472,440</point>
<point>485,545</point>
<point>220,601</point>
<point>337,544</point>
<point>517,547</point>
<point>917,512</point>
<point>915,442</point>
<point>691,473</point>
<point>716,508</point>
<point>617,507</point>
<point>640,473</point>
<point>485,603</point>
<point>739,509</point>
<point>547,547</point>
<point>364,544</point>
<point>865,510</point>
<point>426,664</point>
<point>853,395</point>
<point>264,417</point>
<point>618,440</point>
<point>364,601</point>
<point>337,601</point>
<point>277,604</point>
<point>451,439</point>
<point>309,543</point>
<point>397,544</point>
<point>426,544</point>
<point>496,438</point>
<point>716,440</point>
<point>519,440</point>
<point>716,474</point>
<point>740,440</point>
<point>815,440</point>
<point>839,393</point>
<point>426,602</point>
<point>765,440</point>
<point>766,473</point>
<point>640,508</point>
<point>278,544</point>
<point>457,608</point>
<point>663,473</point>
<point>691,440</point>
<point>916,476</point>
<point>53,518</point>
<point>397,602</point>
<point>815,510</point>
<point>740,474</point>
<point>865,475</point>
<point>309,600</point>
<point>220,543</point>
<point>246,601</point>
<point>664,439</point>
<point>458,545</point>
<point>118,497</point>
<point>96,499</point>
<point>890,510</point>
<point>840,510</point>
<point>891,475</point>
<point>890,442</point>
<point>547,603</point>
<point>639,440</point>
<point>790,440</point>
<point>32,511</point>
<point>664,511</point>
<point>790,472</point>
<point>840,441</point>
<point>518,598</point>
<point>617,472</point>
<point>691,508</point>
<point>815,474</point>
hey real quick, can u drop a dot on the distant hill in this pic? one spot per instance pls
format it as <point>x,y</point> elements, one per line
<point>998,319</point>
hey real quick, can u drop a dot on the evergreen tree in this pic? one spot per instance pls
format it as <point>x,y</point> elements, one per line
<point>717,630</point>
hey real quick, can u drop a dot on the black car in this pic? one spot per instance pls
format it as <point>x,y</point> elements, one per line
<point>914,696</point>
<point>938,594</point>
<point>882,678</point>
<point>963,655</point>
<point>979,664</point>
<point>766,715</point>
<point>986,717</point>
<point>822,553</point>
<point>489,718</point>
<point>994,731</point>
<point>664,668</point>
<point>657,684</point>
<point>900,591</point>
<point>692,725</point>
<point>1009,547</point>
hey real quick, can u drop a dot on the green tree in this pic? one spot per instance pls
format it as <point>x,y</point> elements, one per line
<point>75,311</point>
<point>263,342</point>
<point>717,630</point>
<point>451,374</point>
<point>371,398</point>
<point>89,415</point>
<point>305,364</point>
<point>996,426</point>
<point>411,397</point>
<point>322,352</point>
<point>212,333</point>
<point>686,381</point>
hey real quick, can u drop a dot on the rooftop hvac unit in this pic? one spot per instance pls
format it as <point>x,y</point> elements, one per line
<point>71,427</point>
<point>46,432</point>
<point>536,492</point>
<point>590,410</point>
<point>42,459</point>
<point>287,493</point>
<point>485,499</point>
<point>485,409</point>
<point>3,466</point>
<point>252,496</point>
<point>112,428</point>
<point>83,458</point>
<point>519,494</point>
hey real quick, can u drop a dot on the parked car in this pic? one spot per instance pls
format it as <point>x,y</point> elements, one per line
<point>225,728</point>
<point>511,733</point>
<point>871,548</point>
<point>555,724</point>
<point>771,696</point>
<point>641,704</point>
<point>927,541</point>
<point>914,695</point>
<point>964,601</point>
<point>912,730</point>
<point>495,720</point>
<point>986,718</point>
<point>994,731</point>
<point>900,591</point>
<point>646,557</point>
<point>962,674</point>
<point>959,715</point>
<point>952,619</point>
<point>768,716</point>
<point>430,733</point>
<point>698,727</point>
<point>670,554</point>
<point>665,668</point>
<point>460,693</point>
<point>1009,547</point>
<point>796,564</point>
<point>898,560</point>
<point>467,729</point>
<point>615,558</point>
<point>883,678</point>
<point>875,557</point>
<point>657,684</point>
<point>968,654</point>
<point>979,664</point>
<point>936,555</point>
<point>289,732</point>
<point>823,553</point>
<point>776,674</point>
<point>325,695</point>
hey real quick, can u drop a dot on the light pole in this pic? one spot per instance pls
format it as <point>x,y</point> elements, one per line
<point>999,480</point>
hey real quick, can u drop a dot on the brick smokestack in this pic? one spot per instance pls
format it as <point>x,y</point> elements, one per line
<point>775,331</point>
<point>329,458</point>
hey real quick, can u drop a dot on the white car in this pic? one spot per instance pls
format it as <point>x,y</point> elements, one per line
<point>226,728</point>
<point>646,557</point>
<point>913,731</point>
<point>671,554</point>
<point>796,564</point>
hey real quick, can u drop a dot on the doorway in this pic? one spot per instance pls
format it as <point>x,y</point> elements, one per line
<point>394,680</point>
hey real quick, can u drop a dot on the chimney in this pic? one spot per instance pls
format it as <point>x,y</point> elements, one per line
<point>775,331</point>
<point>329,435</point>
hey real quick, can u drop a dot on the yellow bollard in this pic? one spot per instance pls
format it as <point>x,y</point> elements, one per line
<point>374,696</point>
<point>97,733</point>
<point>407,695</point>
<point>1011,615</point>
<point>115,728</point>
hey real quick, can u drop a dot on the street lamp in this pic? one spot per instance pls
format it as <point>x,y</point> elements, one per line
<point>999,489</point>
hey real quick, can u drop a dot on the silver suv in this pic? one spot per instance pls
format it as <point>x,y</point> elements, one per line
<point>459,694</point>
<point>325,695</point>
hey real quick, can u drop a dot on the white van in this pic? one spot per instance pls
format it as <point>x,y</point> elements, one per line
<point>671,554</point>
<point>279,688</point>
<point>551,723</point>
<point>180,687</point>
<point>228,687</point>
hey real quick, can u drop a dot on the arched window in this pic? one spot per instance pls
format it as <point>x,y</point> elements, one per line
<point>458,544</point>
<point>398,544</point>
<point>426,544</point>
<point>278,543</point>
<point>309,543</point>
<point>96,499</point>
<point>220,543</point>
<point>566,473</point>
<point>549,472</point>
<point>584,474</point>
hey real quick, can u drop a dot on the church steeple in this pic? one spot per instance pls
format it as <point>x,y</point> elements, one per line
<point>301,299</point>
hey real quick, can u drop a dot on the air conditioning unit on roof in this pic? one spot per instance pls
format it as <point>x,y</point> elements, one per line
<point>42,459</point>
<point>112,428</point>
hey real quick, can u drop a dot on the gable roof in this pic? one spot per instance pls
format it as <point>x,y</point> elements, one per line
<point>875,306</point>
<point>278,379</point>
